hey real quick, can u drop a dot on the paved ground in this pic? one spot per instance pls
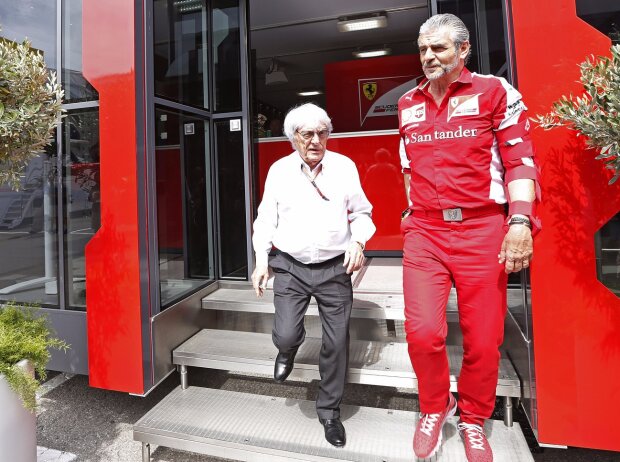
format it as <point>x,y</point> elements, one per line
<point>79,423</point>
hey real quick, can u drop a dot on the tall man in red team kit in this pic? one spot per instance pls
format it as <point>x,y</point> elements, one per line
<point>468,153</point>
<point>316,214</point>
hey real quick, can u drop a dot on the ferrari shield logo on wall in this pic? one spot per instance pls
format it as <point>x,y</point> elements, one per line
<point>370,90</point>
<point>378,97</point>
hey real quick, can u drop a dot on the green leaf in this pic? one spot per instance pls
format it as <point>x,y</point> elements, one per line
<point>24,334</point>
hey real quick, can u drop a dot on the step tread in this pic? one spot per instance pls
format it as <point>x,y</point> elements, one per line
<point>366,304</point>
<point>252,427</point>
<point>370,362</point>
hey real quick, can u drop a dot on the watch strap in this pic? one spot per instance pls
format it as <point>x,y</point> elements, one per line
<point>520,221</point>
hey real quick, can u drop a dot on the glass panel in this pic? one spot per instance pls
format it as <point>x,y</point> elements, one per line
<point>181,52</point>
<point>226,59</point>
<point>466,10</point>
<point>303,54</point>
<point>486,23</point>
<point>518,303</point>
<point>32,19</point>
<point>231,203</point>
<point>607,241</point>
<point>82,197</point>
<point>184,210</point>
<point>76,86</point>
<point>604,15</point>
<point>493,59</point>
<point>28,239</point>
<point>514,279</point>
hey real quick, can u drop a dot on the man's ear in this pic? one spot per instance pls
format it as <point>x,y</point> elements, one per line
<point>465,46</point>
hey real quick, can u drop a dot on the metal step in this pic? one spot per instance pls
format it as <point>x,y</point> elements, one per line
<point>258,428</point>
<point>370,362</point>
<point>366,304</point>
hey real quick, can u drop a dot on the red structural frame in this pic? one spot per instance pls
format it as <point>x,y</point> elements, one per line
<point>112,255</point>
<point>576,319</point>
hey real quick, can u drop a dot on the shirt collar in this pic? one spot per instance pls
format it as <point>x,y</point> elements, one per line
<point>324,161</point>
<point>465,77</point>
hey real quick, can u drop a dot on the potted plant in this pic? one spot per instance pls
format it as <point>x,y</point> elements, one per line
<point>25,340</point>
<point>596,113</point>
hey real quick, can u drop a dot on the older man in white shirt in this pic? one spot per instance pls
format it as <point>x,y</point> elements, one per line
<point>316,214</point>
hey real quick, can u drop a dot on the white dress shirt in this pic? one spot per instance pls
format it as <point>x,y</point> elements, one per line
<point>294,217</point>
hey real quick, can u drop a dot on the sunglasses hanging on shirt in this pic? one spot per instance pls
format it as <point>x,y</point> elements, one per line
<point>311,179</point>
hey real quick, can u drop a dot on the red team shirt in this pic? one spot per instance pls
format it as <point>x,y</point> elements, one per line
<point>462,153</point>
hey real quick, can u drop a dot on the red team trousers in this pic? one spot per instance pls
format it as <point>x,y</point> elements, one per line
<point>437,254</point>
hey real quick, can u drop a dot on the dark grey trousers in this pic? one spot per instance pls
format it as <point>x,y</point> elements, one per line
<point>294,283</point>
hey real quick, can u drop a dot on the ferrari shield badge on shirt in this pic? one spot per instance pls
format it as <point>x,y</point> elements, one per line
<point>463,105</point>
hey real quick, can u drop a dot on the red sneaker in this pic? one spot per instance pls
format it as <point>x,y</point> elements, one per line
<point>477,447</point>
<point>428,433</point>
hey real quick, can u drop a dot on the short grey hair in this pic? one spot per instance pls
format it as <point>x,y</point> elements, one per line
<point>306,114</point>
<point>458,30</point>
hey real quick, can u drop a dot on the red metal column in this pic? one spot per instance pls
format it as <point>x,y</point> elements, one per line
<point>112,257</point>
<point>576,319</point>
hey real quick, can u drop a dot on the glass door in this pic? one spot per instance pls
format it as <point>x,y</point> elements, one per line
<point>184,210</point>
<point>199,165</point>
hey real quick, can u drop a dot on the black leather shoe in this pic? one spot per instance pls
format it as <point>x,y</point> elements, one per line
<point>334,432</point>
<point>283,366</point>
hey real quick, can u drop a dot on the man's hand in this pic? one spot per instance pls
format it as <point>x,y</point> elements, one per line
<point>517,250</point>
<point>353,257</point>
<point>260,276</point>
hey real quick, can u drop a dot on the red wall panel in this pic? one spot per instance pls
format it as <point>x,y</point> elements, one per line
<point>576,318</point>
<point>169,199</point>
<point>378,164</point>
<point>112,258</point>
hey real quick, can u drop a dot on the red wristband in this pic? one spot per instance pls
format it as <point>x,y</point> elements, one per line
<point>520,208</point>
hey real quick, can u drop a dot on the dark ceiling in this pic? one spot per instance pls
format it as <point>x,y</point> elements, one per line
<point>303,37</point>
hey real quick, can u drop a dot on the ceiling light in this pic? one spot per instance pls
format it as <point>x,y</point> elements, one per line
<point>362,22</point>
<point>309,92</point>
<point>372,53</point>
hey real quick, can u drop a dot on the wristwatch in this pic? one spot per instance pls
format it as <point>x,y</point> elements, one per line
<point>520,221</point>
<point>360,244</point>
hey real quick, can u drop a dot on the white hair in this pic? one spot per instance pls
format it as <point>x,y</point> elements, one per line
<point>306,114</point>
<point>457,28</point>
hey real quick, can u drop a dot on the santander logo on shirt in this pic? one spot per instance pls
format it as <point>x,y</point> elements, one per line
<point>442,135</point>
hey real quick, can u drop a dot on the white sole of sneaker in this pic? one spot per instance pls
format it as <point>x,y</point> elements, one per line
<point>439,442</point>
<point>450,413</point>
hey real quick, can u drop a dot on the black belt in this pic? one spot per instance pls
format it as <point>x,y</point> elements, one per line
<point>328,262</point>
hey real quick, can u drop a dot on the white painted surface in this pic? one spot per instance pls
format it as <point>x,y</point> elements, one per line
<point>18,427</point>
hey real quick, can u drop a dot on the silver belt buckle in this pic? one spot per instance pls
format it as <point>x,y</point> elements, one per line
<point>452,215</point>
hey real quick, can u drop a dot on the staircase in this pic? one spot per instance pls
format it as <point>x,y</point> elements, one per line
<point>249,427</point>
<point>13,215</point>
